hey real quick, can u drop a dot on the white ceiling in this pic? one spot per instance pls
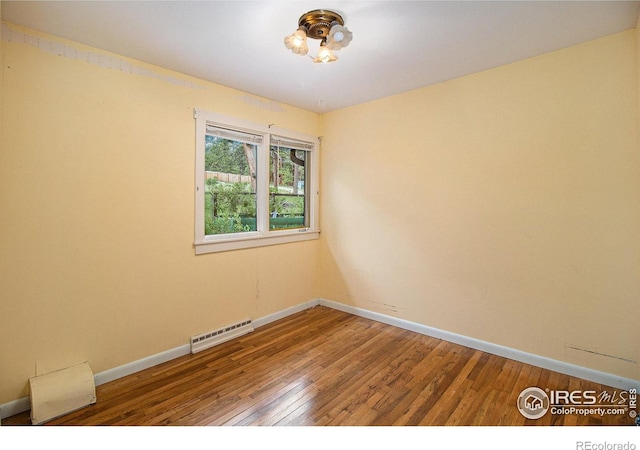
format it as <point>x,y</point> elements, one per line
<point>397,45</point>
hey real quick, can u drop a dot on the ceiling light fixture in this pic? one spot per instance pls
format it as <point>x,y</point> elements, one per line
<point>322,24</point>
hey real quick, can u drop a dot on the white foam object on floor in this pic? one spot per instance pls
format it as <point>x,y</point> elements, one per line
<point>57,393</point>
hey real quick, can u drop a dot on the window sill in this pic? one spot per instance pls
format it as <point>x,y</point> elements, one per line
<point>231,242</point>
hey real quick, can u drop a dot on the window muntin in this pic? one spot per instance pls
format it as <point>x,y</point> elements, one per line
<point>239,202</point>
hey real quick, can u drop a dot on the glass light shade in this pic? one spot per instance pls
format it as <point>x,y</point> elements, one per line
<point>297,42</point>
<point>339,37</point>
<point>325,55</point>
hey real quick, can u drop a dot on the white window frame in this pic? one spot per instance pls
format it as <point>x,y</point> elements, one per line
<point>263,236</point>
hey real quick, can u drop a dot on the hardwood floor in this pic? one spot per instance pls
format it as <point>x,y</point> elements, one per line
<point>326,367</point>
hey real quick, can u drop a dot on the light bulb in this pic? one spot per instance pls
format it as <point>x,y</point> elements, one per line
<point>325,55</point>
<point>299,38</point>
<point>339,37</point>
<point>297,42</point>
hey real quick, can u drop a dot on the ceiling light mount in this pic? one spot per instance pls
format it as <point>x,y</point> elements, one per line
<point>327,26</point>
<point>318,22</point>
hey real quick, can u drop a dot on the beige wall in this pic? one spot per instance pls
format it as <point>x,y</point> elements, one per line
<point>97,225</point>
<point>504,206</point>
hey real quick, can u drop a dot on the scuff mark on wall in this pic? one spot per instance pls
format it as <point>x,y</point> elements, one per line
<point>593,352</point>
<point>103,60</point>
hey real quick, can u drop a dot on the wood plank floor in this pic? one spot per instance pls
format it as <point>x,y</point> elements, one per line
<point>326,367</point>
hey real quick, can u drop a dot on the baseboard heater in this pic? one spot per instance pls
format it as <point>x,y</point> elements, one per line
<point>58,393</point>
<point>207,340</point>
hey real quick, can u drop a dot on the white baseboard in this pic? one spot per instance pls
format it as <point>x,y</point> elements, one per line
<point>585,373</point>
<point>285,312</point>
<point>23,404</point>
<point>141,364</point>
<point>15,407</point>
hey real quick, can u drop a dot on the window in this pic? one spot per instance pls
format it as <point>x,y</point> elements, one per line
<point>255,184</point>
<point>288,192</point>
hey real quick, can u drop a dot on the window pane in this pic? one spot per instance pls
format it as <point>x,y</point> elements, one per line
<point>230,186</point>
<point>287,191</point>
